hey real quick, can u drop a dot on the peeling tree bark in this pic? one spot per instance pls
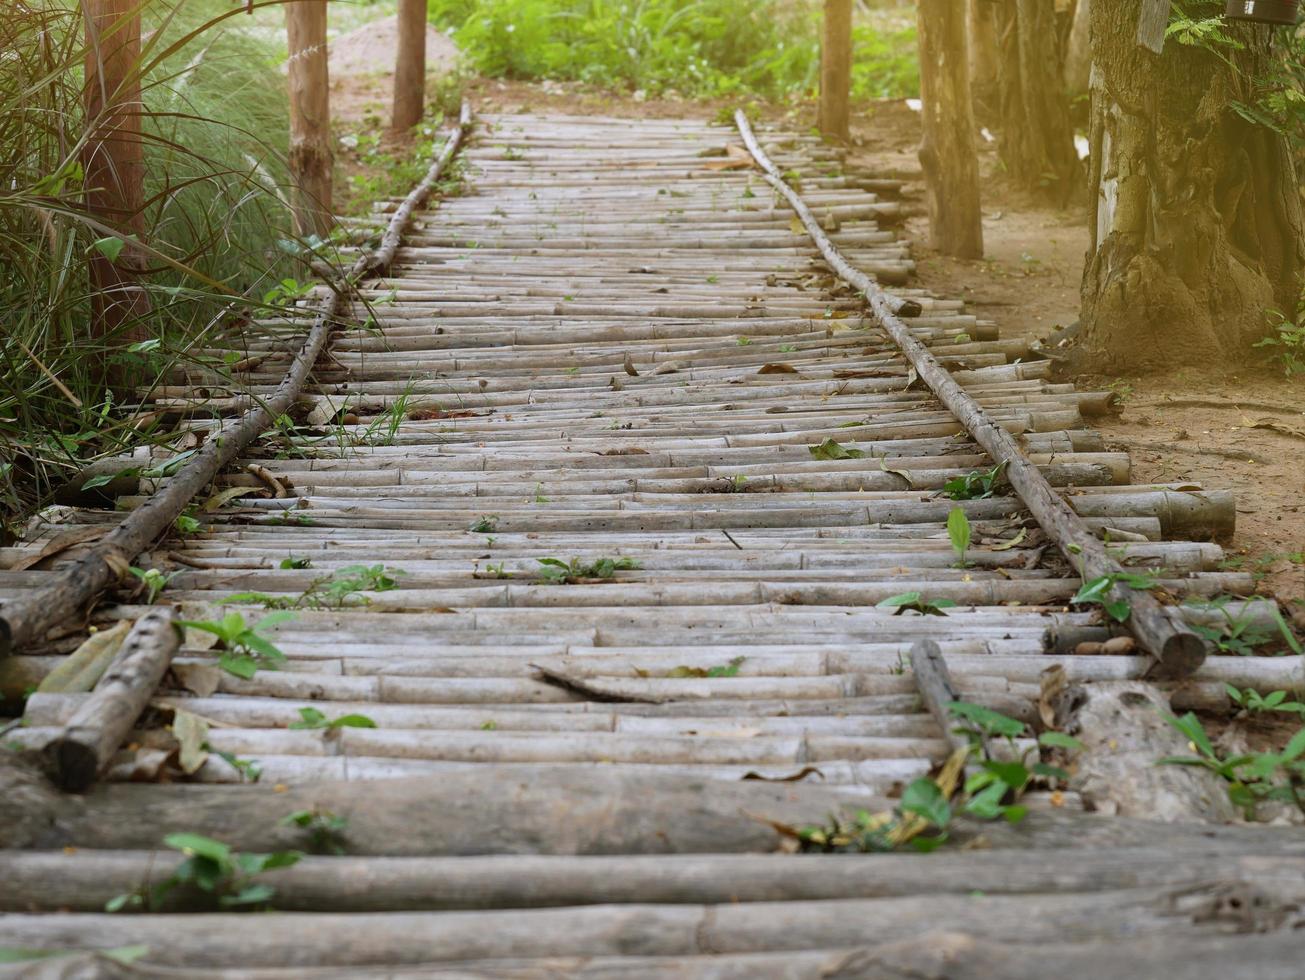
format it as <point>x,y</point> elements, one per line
<point>311,159</point>
<point>113,162</point>
<point>947,153</point>
<point>1196,226</point>
<point>1037,137</point>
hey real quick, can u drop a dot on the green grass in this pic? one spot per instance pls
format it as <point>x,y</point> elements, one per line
<point>704,48</point>
<point>214,219</point>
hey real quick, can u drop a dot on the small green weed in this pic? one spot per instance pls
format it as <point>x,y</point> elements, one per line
<point>324,830</point>
<point>977,485</point>
<point>555,571</point>
<point>730,669</point>
<point>311,719</point>
<point>1253,778</point>
<point>153,580</point>
<point>244,648</point>
<point>958,533</point>
<point>829,449</point>
<point>915,602</point>
<point>212,871</point>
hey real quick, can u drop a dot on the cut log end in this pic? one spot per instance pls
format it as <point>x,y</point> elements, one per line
<point>1182,654</point>
<point>71,764</point>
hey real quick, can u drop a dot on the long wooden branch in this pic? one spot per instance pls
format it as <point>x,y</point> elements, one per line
<point>26,618</point>
<point>1159,629</point>
<point>86,744</point>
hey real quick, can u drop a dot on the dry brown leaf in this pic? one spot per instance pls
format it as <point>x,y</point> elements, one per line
<point>58,544</point>
<point>1053,682</point>
<point>795,777</point>
<point>201,680</point>
<point>224,497</point>
<point>777,368</point>
<point>191,732</point>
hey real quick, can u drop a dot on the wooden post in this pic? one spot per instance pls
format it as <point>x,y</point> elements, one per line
<point>947,153</point>
<point>311,158</point>
<point>835,69</point>
<point>113,162</point>
<point>410,66</point>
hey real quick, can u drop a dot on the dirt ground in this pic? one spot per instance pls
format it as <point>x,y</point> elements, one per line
<point>1240,427</point>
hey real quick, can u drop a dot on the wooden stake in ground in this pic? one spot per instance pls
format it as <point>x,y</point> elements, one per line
<point>947,153</point>
<point>311,158</point>
<point>410,66</point>
<point>835,69</point>
<point>114,164</point>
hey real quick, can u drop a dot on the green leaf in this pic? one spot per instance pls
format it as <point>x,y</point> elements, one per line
<point>1015,812</point>
<point>958,531</point>
<point>991,722</point>
<point>309,718</point>
<point>1118,610</point>
<point>1059,740</point>
<point>829,449</point>
<point>110,247</point>
<point>1050,772</point>
<point>1092,590</point>
<point>352,721</point>
<point>239,664</point>
<point>904,599</point>
<point>249,895</point>
<point>924,799</point>
<point>1190,727</point>
<point>1013,774</point>
<point>1295,747</point>
<point>198,845</point>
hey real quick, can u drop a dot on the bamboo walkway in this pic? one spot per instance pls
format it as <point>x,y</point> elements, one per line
<point>612,361</point>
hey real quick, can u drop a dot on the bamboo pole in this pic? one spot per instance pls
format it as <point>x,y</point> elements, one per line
<point>835,69</point>
<point>311,156</point>
<point>410,66</point>
<point>1159,630</point>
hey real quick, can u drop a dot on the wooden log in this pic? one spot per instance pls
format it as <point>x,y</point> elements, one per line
<point>483,810</point>
<point>84,880</point>
<point>936,688</point>
<point>410,66</point>
<point>947,152</point>
<point>90,738</point>
<point>1159,630</point>
<point>311,157</point>
<point>326,939</point>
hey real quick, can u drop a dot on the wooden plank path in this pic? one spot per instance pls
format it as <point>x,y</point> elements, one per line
<point>615,352</point>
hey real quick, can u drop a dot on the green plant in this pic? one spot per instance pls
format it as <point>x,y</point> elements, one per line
<point>1097,591</point>
<point>555,571</point>
<point>1239,634</point>
<point>485,525</point>
<point>915,602</point>
<point>249,770</point>
<point>730,669</point>
<point>210,871</point>
<point>153,580</point>
<point>1251,701</point>
<point>1252,778</point>
<point>293,562</point>
<point>976,485</point>
<point>185,524</point>
<point>311,718</point>
<point>244,648</point>
<point>324,830</point>
<point>1287,343</point>
<point>958,533</point>
<point>342,588</point>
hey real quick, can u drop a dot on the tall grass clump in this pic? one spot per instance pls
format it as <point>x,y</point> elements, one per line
<point>694,47</point>
<point>214,226</point>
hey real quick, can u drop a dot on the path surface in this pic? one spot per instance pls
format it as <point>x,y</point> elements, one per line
<point>608,362</point>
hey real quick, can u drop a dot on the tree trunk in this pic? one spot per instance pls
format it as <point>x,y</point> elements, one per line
<point>836,69</point>
<point>1037,138</point>
<point>1196,225</point>
<point>311,158</point>
<point>947,152</point>
<point>410,66</point>
<point>984,65</point>
<point>1078,50</point>
<point>113,162</point>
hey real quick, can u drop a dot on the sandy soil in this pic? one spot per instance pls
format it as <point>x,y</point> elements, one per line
<point>1199,426</point>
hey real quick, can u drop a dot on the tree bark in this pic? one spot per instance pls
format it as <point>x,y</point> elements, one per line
<point>410,66</point>
<point>1078,50</point>
<point>1196,226</point>
<point>311,159</point>
<point>1037,138</point>
<point>947,152</point>
<point>836,69</point>
<point>984,65</point>
<point>113,162</point>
